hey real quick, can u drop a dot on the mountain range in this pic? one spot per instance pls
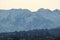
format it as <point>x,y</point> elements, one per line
<point>24,19</point>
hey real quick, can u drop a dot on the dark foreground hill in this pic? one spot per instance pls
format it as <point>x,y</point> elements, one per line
<point>42,34</point>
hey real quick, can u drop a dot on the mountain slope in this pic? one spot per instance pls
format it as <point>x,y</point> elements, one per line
<point>23,19</point>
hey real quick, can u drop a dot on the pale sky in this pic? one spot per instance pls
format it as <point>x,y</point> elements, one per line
<point>32,5</point>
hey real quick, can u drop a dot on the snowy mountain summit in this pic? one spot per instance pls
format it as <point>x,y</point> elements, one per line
<point>23,19</point>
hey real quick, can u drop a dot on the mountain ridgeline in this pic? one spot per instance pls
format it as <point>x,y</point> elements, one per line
<point>23,19</point>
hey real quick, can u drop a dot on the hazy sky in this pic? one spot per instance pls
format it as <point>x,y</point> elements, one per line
<point>30,4</point>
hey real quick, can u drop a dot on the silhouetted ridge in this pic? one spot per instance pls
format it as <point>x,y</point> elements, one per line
<point>41,9</point>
